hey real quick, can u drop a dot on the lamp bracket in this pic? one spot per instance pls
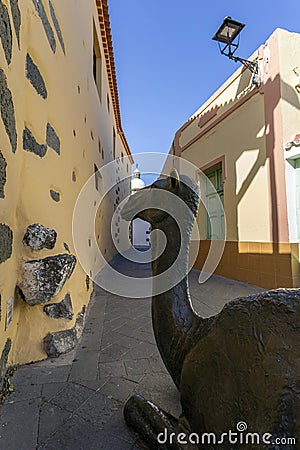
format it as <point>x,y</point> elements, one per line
<point>230,48</point>
<point>228,35</point>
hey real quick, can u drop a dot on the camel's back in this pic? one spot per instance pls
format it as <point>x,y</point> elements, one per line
<point>247,368</point>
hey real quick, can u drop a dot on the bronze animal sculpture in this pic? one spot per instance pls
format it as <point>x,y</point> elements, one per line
<point>241,365</point>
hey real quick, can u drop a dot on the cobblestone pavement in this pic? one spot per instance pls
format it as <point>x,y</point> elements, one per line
<point>75,402</point>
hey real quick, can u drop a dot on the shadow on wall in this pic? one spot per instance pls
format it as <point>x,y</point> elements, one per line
<point>275,263</point>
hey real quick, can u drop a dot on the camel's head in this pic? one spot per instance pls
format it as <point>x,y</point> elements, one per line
<point>139,204</point>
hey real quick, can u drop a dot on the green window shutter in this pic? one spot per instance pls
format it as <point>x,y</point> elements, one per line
<point>215,225</point>
<point>297,177</point>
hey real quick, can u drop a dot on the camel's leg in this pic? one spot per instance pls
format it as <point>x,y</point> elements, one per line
<point>157,428</point>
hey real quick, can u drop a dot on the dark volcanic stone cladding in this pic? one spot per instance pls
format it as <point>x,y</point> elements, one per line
<point>39,6</point>
<point>6,241</point>
<point>57,27</point>
<point>38,236</point>
<point>55,195</point>
<point>3,361</point>
<point>5,32</point>
<point>61,310</point>
<point>3,165</point>
<point>31,145</point>
<point>52,139</point>
<point>42,279</point>
<point>61,342</point>
<point>16,15</point>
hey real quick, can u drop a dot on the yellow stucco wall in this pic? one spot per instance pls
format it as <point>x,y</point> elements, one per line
<point>84,126</point>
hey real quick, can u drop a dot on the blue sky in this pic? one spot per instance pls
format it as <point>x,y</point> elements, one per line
<point>168,65</point>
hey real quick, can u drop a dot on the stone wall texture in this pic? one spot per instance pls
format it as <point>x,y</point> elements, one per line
<point>38,236</point>
<point>61,342</point>
<point>61,310</point>
<point>55,195</point>
<point>52,139</point>
<point>3,361</point>
<point>57,27</point>
<point>5,32</point>
<point>46,24</point>
<point>16,15</point>
<point>6,242</point>
<point>31,145</point>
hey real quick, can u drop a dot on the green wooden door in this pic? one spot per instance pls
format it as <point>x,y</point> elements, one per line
<point>215,224</point>
<point>297,172</point>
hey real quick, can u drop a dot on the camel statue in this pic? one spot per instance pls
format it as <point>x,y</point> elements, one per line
<point>237,370</point>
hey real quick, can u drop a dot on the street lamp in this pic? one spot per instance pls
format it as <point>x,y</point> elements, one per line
<point>229,35</point>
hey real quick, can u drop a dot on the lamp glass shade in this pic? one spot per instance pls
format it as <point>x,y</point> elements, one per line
<point>228,31</point>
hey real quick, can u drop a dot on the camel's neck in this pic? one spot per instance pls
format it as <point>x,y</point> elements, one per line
<point>174,320</point>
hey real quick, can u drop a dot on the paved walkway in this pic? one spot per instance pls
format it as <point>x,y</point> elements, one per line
<point>75,402</point>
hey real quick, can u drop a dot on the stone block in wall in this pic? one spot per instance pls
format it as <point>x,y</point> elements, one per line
<point>87,282</point>
<point>5,32</point>
<point>8,111</point>
<point>31,145</point>
<point>60,342</point>
<point>39,6</point>
<point>16,15</point>
<point>52,139</point>
<point>6,241</point>
<point>61,310</point>
<point>3,361</point>
<point>35,77</point>
<point>57,27</point>
<point>42,279</point>
<point>55,195</point>
<point>38,236</point>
